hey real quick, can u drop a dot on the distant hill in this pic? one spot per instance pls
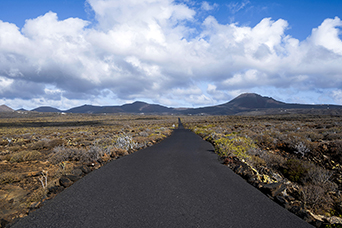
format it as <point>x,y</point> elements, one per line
<point>136,107</point>
<point>46,109</point>
<point>247,103</point>
<point>251,102</point>
<point>85,109</point>
<point>142,107</point>
<point>4,108</point>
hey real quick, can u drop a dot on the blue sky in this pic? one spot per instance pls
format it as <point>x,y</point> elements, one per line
<point>302,15</point>
<point>176,53</point>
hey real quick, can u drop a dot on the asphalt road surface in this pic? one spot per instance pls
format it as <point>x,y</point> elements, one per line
<point>176,183</point>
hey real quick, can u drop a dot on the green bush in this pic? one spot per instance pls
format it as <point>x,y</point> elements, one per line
<point>294,170</point>
<point>234,145</point>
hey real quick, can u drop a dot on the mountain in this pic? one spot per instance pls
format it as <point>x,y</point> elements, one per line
<point>136,107</point>
<point>85,109</point>
<point>4,108</point>
<point>258,105</point>
<point>142,107</point>
<point>21,110</point>
<point>46,109</point>
<point>247,103</point>
<point>252,101</point>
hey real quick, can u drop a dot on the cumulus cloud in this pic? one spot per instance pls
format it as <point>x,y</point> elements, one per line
<point>153,50</point>
<point>327,35</point>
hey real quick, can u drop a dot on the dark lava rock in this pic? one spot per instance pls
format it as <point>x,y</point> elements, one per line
<point>73,178</point>
<point>77,172</point>
<point>65,182</point>
<point>306,216</point>
<point>281,200</point>
<point>55,190</point>
<point>273,189</point>
<point>3,223</point>
<point>85,169</point>
<point>296,209</point>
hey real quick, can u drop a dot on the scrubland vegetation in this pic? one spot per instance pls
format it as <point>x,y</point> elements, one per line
<point>41,154</point>
<point>294,159</point>
<point>302,152</point>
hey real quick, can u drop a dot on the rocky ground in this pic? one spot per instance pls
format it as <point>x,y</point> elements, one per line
<point>294,159</point>
<point>284,192</point>
<point>41,156</point>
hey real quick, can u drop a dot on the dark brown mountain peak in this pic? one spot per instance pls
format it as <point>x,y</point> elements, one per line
<point>4,108</point>
<point>253,100</point>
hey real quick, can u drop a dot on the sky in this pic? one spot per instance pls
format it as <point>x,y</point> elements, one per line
<point>177,53</point>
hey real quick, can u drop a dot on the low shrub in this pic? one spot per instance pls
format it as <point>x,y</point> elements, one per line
<point>301,148</point>
<point>332,136</point>
<point>3,142</point>
<point>93,153</point>
<point>62,154</point>
<point>36,196</point>
<point>335,150</point>
<point>15,148</point>
<point>314,136</point>
<point>54,143</point>
<point>10,177</point>
<point>26,155</point>
<point>265,141</point>
<point>315,198</point>
<point>274,161</point>
<point>38,145</point>
<point>118,153</point>
<point>257,161</point>
<point>234,145</point>
<point>294,170</point>
<point>125,142</point>
<point>320,177</point>
<point>143,134</point>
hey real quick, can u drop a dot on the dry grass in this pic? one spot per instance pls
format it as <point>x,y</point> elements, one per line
<point>59,144</point>
<point>10,177</point>
<point>25,155</point>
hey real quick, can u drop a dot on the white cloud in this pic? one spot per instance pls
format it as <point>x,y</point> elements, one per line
<point>153,50</point>
<point>216,94</point>
<point>5,83</point>
<point>337,95</point>
<point>235,7</point>
<point>207,7</point>
<point>327,35</point>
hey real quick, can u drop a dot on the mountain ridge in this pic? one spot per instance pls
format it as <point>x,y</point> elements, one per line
<point>244,103</point>
<point>5,108</point>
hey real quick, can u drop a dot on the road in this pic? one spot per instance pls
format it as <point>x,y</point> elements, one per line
<point>176,183</point>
